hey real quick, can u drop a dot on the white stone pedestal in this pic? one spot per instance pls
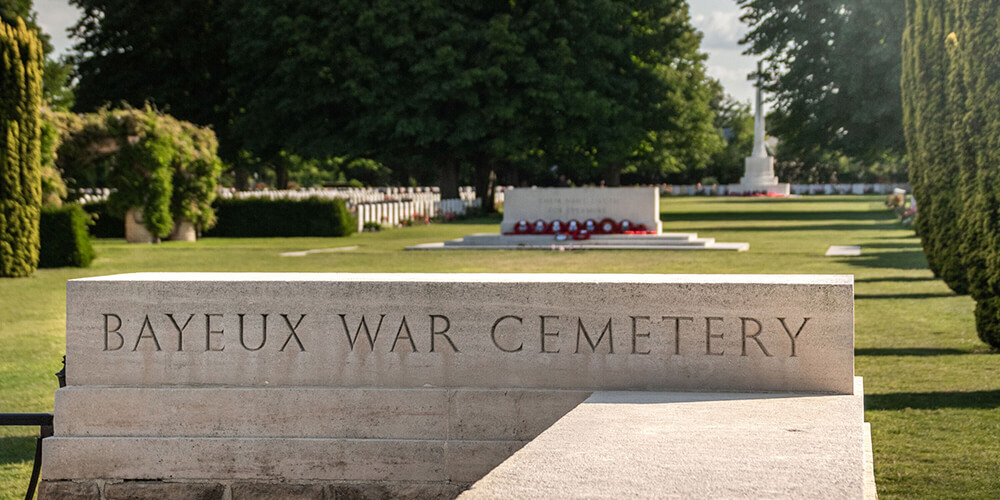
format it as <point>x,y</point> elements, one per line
<point>759,178</point>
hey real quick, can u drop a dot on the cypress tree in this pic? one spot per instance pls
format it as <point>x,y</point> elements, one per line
<point>20,149</point>
<point>978,146</point>
<point>928,124</point>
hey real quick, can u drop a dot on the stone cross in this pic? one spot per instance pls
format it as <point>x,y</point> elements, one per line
<point>759,151</point>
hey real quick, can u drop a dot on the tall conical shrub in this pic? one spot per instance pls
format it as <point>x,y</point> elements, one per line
<point>20,148</point>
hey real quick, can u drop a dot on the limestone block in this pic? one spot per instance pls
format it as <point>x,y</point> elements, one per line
<point>311,412</point>
<point>261,459</point>
<point>641,205</point>
<point>692,445</point>
<point>158,490</point>
<point>277,491</point>
<point>508,415</point>
<point>236,412</point>
<point>394,491</point>
<point>135,231</point>
<point>183,231</point>
<point>556,331</point>
<point>68,490</point>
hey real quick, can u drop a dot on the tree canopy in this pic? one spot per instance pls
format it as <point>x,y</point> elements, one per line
<point>437,91</point>
<point>834,72</point>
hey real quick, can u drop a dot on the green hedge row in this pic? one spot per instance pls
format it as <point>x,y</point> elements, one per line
<point>951,103</point>
<point>105,225</point>
<point>269,218</point>
<point>65,239</point>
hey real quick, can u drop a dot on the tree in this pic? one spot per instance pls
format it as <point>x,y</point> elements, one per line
<point>437,91</point>
<point>834,72</point>
<point>20,148</point>
<point>167,53</point>
<point>55,78</point>
<point>951,91</point>
<point>734,121</point>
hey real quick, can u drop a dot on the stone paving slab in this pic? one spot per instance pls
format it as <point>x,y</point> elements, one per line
<point>692,445</point>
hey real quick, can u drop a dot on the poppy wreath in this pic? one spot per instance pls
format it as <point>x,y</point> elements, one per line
<point>607,226</point>
<point>557,226</point>
<point>540,227</point>
<point>522,227</point>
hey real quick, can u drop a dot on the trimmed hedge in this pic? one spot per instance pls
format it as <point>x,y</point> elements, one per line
<point>65,240</point>
<point>260,217</point>
<point>104,223</point>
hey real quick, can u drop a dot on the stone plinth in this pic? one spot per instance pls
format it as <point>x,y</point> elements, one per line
<point>213,385</point>
<point>759,178</point>
<point>641,205</point>
<point>135,231</point>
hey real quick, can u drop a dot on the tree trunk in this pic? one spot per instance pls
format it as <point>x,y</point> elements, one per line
<point>280,174</point>
<point>486,181</point>
<point>242,179</point>
<point>448,178</point>
<point>613,176</point>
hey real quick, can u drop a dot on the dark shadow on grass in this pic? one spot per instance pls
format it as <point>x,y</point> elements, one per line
<point>903,259</point>
<point>749,226</point>
<point>898,279</point>
<point>909,351</point>
<point>933,400</point>
<point>911,296</point>
<point>811,199</point>
<point>893,246</point>
<point>752,216</point>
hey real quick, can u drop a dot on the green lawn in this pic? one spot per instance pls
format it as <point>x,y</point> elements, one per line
<point>932,389</point>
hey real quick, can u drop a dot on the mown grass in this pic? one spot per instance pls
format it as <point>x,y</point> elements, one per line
<point>932,389</point>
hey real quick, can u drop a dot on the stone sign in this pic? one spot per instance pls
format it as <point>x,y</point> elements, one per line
<point>401,385</point>
<point>640,205</point>
<point>594,332</point>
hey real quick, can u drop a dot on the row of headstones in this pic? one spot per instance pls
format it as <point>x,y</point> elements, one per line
<point>722,190</point>
<point>395,213</point>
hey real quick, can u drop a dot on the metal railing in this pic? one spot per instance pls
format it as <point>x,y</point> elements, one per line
<point>44,423</point>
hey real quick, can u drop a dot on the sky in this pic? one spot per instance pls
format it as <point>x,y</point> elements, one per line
<point>718,20</point>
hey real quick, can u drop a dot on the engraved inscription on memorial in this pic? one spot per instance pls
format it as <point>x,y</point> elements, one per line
<point>672,335</point>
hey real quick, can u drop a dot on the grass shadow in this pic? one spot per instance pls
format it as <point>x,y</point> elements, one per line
<point>933,400</point>
<point>897,279</point>
<point>753,216</point>
<point>910,351</point>
<point>903,259</point>
<point>792,228</point>
<point>910,296</point>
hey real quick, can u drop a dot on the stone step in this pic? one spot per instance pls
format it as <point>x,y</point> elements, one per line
<point>270,459</point>
<point>441,414</point>
<point>693,445</point>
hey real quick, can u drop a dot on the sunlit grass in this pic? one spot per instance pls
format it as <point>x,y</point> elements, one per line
<point>932,388</point>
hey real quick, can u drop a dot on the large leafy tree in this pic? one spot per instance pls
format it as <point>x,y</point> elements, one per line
<point>438,91</point>
<point>167,53</point>
<point>834,72</point>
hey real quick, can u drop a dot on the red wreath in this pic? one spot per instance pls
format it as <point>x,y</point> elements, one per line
<point>569,226</point>
<point>607,226</point>
<point>539,227</point>
<point>522,227</point>
<point>557,226</point>
<point>582,234</point>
